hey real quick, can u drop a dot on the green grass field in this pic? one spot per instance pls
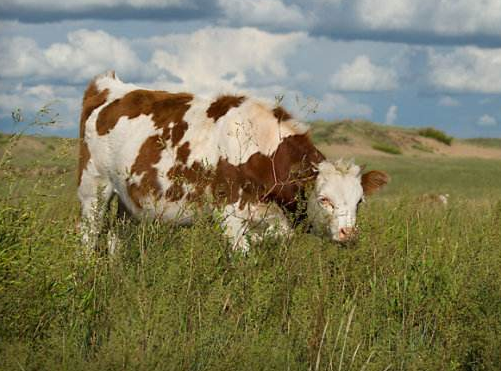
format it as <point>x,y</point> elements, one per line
<point>420,290</point>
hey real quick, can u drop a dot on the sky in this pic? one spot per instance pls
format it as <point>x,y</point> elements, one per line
<point>397,62</point>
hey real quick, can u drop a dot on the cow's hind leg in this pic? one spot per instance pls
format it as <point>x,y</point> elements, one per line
<point>122,217</point>
<point>94,193</point>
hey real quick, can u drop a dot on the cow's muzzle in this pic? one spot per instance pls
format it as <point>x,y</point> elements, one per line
<point>346,234</point>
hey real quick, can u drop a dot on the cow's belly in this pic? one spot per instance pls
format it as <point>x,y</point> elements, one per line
<point>179,212</point>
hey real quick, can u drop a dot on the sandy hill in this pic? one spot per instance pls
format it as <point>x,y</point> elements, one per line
<point>369,139</point>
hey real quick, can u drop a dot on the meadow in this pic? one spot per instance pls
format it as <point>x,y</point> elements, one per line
<point>419,290</point>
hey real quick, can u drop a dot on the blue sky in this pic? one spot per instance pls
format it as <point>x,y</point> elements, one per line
<point>402,62</point>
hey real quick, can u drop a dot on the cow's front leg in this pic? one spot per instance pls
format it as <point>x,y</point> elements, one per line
<point>235,222</point>
<point>272,217</point>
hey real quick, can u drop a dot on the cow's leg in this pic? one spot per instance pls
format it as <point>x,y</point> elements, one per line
<point>235,223</point>
<point>123,215</point>
<point>94,193</point>
<point>275,221</point>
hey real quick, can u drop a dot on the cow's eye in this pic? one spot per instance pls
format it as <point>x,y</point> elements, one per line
<point>326,202</point>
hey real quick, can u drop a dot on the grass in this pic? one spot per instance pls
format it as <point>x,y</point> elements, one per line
<point>418,291</point>
<point>387,148</point>
<point>421,147</point>
<point>485,142</point>
<point>436,134</point>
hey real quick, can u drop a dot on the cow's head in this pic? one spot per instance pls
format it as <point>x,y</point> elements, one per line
<point>339,190</point>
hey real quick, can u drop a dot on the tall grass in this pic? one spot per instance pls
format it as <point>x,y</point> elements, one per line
<point>420,290</point>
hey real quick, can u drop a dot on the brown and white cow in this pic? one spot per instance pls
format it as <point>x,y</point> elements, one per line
<point>161,152</point>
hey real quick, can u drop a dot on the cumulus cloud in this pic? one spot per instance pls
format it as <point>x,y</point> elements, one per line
<point>223,58</point>
<point>339,106</point>
<point>85,54</point>
<point>363,75</point>
<point>447,101</point>
<point>391,115</point>
<point>387,14</point>
<point>263,13</point>
<point>65,100</point>
<point>209,61</point>
<point>21,57</point>
<point>466,69</point>
<point>487,120</point>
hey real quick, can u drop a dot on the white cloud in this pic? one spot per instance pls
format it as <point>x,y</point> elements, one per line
<point>86,54</point>
<point>442,17</point>
<point>338,106</point>
<point>263,12</point>
<point>456,17</point>
<point>214,59</point>
<point>21,57</point>
<point>447,101</point>
<point>64,100</point>
<point>387,14</point>
<point>466,69</point>
<point>391,115</point>
<point>363,75</point>
<point>208,61</point>
<point>487,120</point>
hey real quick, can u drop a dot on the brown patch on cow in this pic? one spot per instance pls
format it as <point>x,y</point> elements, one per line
<point>195,175</point>
<point>93,98</point>
<point>223,104</point>
<point>149,154</point>
<point>183,152</point>
<point>175,192</point>
<point>166,108</point>
<point>280,177</point>
<point>178,131</point>
<point>281,114</point>
<point>83,159</point>
<point>167,112</point>
<point>374,180</point>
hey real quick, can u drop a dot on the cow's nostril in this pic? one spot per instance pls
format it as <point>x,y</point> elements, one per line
<point>346,233</point>
<point>343,233</point>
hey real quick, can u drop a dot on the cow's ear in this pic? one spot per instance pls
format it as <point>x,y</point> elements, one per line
<point>373,181</point>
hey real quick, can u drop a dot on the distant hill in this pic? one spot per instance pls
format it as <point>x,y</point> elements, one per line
<point>358,137</point>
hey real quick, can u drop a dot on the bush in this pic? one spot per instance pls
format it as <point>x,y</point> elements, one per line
<point>436,134</point>
<point>422,147</point>
<point>387,148</point>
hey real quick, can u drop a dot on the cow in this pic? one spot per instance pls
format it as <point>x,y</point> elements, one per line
<point>249,161</point>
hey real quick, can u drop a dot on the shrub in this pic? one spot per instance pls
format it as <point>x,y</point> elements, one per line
<point>436,134</point>
<point>422,147</point>
<point>387,148</point>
